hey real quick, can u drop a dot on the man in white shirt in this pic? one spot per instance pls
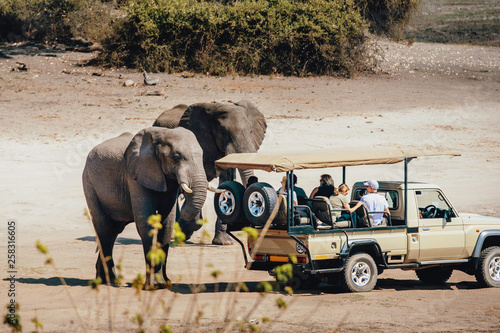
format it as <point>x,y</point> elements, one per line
<point>374,202</point>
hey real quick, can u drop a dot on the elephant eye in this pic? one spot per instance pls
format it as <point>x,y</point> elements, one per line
<point>176,157</point>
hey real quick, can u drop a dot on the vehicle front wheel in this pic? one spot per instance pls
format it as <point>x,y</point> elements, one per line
<point>434,275</point>
<point>488,270</point>
<point>360,273</point>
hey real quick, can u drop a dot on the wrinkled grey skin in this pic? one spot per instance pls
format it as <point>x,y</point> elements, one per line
<point>221,129</point>
<point>130,178</point>
<point>171,117</point>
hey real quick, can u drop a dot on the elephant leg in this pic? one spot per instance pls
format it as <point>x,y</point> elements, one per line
<point>165,236</point>
<point>106,232</point>
<point>221,237</point>
<point>154,278</point>
<point>166,281</point>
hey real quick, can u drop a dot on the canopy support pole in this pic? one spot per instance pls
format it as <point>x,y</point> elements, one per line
<point>289,197</point>
<point>407,160</point>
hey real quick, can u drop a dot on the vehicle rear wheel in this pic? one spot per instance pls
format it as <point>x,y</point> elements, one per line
<point>488,271</point>
<point>360,273</point>
<point>434,275</point>
<point>259,201</point>
<point>228,205</point>
<point>307,282</point>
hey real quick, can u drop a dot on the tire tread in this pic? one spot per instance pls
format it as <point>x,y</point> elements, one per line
<point>481,275</point>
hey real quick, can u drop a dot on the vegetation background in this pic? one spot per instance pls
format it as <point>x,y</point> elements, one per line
<point>290,37</point>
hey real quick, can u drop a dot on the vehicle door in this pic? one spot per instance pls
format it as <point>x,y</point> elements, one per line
<point>441,231</point>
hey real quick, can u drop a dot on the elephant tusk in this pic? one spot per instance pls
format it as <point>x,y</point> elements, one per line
<point>215,190</point>
<point>186,188</point>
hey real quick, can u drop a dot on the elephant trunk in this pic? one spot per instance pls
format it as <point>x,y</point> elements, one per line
<point>196,199</point>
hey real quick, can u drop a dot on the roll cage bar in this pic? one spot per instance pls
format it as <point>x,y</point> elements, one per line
<point>290,188</point>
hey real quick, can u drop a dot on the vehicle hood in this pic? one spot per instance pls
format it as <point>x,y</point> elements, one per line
<point>476,219</point>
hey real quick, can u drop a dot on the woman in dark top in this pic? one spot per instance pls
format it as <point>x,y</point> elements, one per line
<point>325,188</point>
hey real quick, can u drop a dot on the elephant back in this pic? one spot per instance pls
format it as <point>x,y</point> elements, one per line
<point>171,117</point>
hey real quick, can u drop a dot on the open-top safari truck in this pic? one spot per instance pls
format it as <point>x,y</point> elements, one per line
<point>423,231</point>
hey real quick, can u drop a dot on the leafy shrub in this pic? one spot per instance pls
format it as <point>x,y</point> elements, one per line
<point>251,36</point>
<point>51,20</point>
<point>292,37</point>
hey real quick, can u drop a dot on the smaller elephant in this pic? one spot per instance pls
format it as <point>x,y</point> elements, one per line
<point>131,177</point>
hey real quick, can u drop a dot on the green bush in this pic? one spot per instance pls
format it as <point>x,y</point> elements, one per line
<point>52,20</point>
<point>291,37</point>
<point>251,36</point>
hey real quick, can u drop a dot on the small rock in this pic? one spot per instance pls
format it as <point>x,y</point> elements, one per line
<point>149,81</point>
<point>20,67</point>
<point>153,93</point>
<point>128,83</point>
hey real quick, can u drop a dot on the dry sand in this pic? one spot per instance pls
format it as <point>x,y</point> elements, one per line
<point>423,96</point>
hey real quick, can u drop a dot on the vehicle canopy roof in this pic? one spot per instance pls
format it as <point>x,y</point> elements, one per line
<point>324,158</point>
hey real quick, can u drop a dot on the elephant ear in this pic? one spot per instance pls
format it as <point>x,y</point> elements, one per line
<point>142,162</point>
<point>199,119</point>
<point>257,120</point>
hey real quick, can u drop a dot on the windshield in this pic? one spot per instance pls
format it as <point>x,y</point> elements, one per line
<point>428,199</point>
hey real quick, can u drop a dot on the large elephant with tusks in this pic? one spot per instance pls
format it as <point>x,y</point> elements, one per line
<point>221,129</point>
<point>131,177</point>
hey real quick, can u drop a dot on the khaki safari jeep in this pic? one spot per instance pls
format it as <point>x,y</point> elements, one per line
<point>423,231</point>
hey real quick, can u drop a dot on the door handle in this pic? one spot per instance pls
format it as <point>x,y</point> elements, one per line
<point>426,228</point>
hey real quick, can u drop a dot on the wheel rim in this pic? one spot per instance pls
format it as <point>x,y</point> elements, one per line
<point>494,269</point>
<point>226,203</point>
<point>361,274</point>
<point>256,204</point>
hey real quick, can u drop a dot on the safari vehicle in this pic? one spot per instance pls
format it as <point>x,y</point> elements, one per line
<point>423,231</point>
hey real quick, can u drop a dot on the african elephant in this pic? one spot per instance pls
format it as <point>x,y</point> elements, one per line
<point>221,129</point>
<point>131,177</point>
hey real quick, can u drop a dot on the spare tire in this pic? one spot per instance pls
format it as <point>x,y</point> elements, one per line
<point>228,205</point>
<point>259,201</point>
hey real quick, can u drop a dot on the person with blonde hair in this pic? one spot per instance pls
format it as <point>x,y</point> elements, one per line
<point>339,201</point>
<point>326,187</point>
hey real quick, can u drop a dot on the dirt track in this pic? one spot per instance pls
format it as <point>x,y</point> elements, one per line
<point>427,95</point>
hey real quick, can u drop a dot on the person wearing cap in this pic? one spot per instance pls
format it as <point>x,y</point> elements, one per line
<point>373,202</point>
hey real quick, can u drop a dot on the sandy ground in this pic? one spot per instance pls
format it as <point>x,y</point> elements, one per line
<point>424,96</point>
